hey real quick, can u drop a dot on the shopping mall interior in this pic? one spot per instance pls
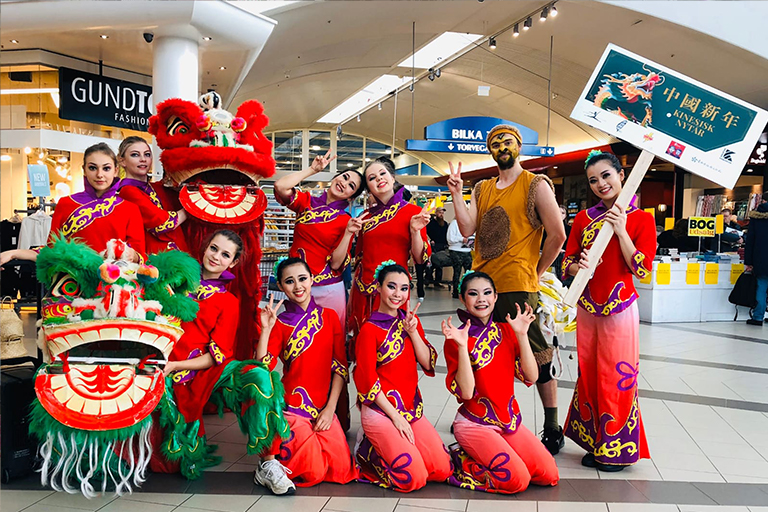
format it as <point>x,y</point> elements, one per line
<point>367,79</point>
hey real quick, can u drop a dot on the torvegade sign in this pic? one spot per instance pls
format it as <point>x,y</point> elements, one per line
<point>694,126</point>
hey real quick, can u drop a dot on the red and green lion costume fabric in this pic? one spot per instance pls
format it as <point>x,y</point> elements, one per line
<point>215,160</point>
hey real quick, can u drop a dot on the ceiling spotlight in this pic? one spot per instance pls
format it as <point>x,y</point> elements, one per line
<point>14,41</point>
<point>528,23</point>
<point>62,160</point>
<point>431,75</point>
<point>492,43</point>
<point>41,154</point>
<point>544,14</point>
<point>516,31</point>
<point>27,150</point>
<point>358,118</point>
<point>206,38</point>
<point>315,148</point>
<point>222,68</point>
<point>553,11</point>
<point>104,36</point>
<point>438,72</point>
<point>5,158</point>
<point>379,105</point>
<point>350,164</point>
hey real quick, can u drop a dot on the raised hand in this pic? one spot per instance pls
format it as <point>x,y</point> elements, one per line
<point>451,332</point>
<point>522,320</point>
<point>455,183</point>
<point>420,220</point>
<point>411,323</point>
<point>268,314</point>
<point>321,162</point>
<point>355,224</point>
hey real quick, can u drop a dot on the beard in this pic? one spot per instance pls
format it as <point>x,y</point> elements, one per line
<point>505,164</point>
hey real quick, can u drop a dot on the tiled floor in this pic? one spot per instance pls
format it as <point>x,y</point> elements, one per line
<point>704,403</point>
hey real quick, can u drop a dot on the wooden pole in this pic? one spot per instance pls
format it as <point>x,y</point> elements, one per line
<point>606,232</point>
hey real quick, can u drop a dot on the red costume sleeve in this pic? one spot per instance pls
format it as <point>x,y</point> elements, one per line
<point>508,337</point>
<point>222,344</point>
<point>573,247</point>
<point>366,378</point>
<point>277,339</point>
<point>154,219</point>
<point>643,235</point>
<point>451,353</point>
<point>430,372</point>
<point>299,202</point>
<point>58,218</point>
<point>339,364</point>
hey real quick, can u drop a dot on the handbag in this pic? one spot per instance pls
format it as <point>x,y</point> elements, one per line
<point>744,292</point>
<point>11,332</point>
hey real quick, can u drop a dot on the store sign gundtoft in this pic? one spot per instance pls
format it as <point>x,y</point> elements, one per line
<point>102,100</point>
<point>694,126</point>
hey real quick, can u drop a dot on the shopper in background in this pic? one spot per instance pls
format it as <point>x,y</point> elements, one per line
<point>732,236</point>
<point>460,250</point>
<point>510,214</point>
<point>392,229</point>
<point>756,256</point>
<point>96,215</point>
<point>161,213</point>
<point>604,417</point>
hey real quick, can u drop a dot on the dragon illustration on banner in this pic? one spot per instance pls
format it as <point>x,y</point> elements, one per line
<point>629,95</point>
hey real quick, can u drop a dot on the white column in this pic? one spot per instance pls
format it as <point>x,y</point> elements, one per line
<point>175,74</point>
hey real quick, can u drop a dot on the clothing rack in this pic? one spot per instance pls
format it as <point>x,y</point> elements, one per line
<point>41,206</point>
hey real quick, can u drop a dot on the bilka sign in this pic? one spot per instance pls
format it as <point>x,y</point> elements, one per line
<point>468,135</point>
<point>677,118</point>
<point>102,100</point>
<point>701,226</point>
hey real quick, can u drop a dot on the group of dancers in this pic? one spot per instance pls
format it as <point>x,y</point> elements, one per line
<point>319,335</point>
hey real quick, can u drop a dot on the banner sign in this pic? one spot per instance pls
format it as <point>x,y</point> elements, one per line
<point>683,121</point>
<point>468,135</point>
<point>102,100</point>
<point>701,226</point>
<point>39,182</point>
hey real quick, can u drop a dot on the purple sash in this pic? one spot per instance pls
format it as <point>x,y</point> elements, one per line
<point>596,214</point>
<point>306,408</point>
<point>319,211</point>
<point>487,338</point>
<point>305,325</point>
<point>144,186</point>
<point>382,213</point>
<point>491,418</point>
<point>327,275</point>
<point>394,342</point>
<point>209,287</point>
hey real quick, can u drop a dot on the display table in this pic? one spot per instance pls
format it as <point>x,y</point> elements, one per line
<point>688,291</point>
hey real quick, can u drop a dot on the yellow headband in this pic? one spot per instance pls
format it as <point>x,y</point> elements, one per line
<point>502,129</point>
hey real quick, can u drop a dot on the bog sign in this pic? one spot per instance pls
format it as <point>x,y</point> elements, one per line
<point>694,126</point>
<point>701,226</point>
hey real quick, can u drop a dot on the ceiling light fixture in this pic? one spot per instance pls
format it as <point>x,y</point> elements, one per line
<point>544,14</point>
<point>315,148</point>
<point>439,49</point>
<point>349,164</point>
<point>379,105</point>
<point>104,36</point>
<point>553,11</point>
<point>27,150</point>
<point>206,38</point>
<point>528,23</point>
<point>5,158</point>
<point>358,118</point>
<point>492,43</point>
<point>222,68</point>
<point>14,41</point>
<point>516,31</point>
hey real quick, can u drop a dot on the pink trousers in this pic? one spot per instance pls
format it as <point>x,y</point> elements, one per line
<point>387,459</point>
<point>491,460</point>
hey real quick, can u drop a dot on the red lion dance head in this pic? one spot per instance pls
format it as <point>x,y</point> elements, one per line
<point>216,160</point>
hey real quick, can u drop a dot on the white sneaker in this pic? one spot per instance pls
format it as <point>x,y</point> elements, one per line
<point>274,476</point>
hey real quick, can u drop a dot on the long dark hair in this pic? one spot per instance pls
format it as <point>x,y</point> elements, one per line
<point>360,187</point>
<point>229,235</point>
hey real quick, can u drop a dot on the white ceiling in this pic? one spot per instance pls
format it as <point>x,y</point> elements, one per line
<point>321,53</point>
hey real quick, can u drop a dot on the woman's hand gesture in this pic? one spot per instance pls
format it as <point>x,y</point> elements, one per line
<point>451,332</point>
<point>411,323</point>
<point>269,314</point>
<point>420,220</point>
<point>522,320</point>
<point>321,162</point>
<point>455,183</point>
<point>355,224</point>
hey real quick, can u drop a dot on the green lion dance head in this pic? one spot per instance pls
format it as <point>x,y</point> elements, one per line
<point>107,325</point>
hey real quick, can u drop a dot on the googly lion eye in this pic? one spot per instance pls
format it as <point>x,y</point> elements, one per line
<point>177,126</point>
<point>66,286</point>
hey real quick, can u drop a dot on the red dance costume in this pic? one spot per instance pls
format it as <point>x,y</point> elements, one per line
<point>604,417</point>
<point>311,345</point>
<point>97,220</point>
<point>385,364</point>
<point>245,387</point>
<point>496,452</point>
<point>158,212</point>
<point>386,237</point>
<point>318,230</point>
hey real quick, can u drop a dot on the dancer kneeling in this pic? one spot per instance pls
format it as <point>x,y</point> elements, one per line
<point>496,452</point>
<point>310,342</point>
<point>397,448</point>
<point>202,368</point>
